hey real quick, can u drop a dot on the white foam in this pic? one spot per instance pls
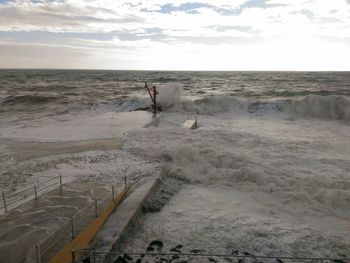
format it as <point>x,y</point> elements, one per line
<point>81,127</point>
<point>327,107</point>
<point>296,169</point>
<point>169,95</point>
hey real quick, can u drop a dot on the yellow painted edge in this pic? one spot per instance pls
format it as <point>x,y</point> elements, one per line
<point>86,235</point>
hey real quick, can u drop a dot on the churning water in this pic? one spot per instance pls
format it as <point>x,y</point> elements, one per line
<point>268,170</point>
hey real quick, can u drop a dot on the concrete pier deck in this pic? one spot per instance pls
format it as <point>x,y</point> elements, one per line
<point>32,222</point>
<point>116,227</point>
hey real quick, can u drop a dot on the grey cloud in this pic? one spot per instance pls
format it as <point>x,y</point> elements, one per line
<point>220,40</point>
<point>59,17</point>
<point>154,34</point>
<point>13,55</point>
<point>244,29</point>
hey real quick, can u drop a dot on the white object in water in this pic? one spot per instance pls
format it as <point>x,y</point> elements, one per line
<point>191,124</point>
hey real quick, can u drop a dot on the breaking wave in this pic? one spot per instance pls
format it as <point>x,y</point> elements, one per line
<point>312,106</point>
<point>327,107</point>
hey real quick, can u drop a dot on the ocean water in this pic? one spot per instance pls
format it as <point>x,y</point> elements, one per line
<point>54,92</point>
<point>267,171</point>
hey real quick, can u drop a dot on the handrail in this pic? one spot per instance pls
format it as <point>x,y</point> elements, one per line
<point>75,216</point>
<point>18,196</point>
<point>64,230</point>
<point>30,187</point>
<point>92,252</point>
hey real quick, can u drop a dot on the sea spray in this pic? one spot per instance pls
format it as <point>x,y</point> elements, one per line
<point>260,164</point>
<point>334,107</point>
<point>169,95</point>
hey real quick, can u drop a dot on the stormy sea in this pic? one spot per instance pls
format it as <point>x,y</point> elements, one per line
<point>267,172</point>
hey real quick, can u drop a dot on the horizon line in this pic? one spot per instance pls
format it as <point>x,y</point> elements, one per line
<point>180,70</point>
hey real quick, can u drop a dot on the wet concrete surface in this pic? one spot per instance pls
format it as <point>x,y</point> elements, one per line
<point>32,222</point>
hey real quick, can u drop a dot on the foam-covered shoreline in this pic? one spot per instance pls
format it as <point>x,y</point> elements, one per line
<point>288,154</point>
<point>287,183</point>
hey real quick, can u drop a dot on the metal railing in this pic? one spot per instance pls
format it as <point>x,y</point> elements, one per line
<point>67,232</point>
<point>48,247</point>
<point>93,256</point>
<point>13,200</point>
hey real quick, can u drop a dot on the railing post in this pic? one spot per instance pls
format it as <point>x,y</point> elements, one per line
<point>93,255</point>
<point>38,254</point>
<point>60,178</point>
<point>5,203</point>
<point>72,223</point>
<point>73,256</point>
<point>35,193</point>
<point>125,181</point>
<point>96,211</point>
<point>112,192</point>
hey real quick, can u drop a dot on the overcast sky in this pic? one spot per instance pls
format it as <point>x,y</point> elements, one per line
<point>176,35</point>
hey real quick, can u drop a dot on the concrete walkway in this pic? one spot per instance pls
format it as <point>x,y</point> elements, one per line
<point>116,228</point>
<point>34,221</point>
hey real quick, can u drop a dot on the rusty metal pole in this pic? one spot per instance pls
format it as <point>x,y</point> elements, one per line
<point>153,96</point>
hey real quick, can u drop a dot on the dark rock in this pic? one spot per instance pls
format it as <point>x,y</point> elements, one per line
<point>246,253</point>
<point>86,260</point>
<point>156,243</point>
<point>235,252</point>
<point>150,249</point>
<point>120,260</point>
<point>138,260</point>
<point>179,246</point>
<point>175,257</point>
<point>196,251</point>
<point>147,108</point>
<point>127,257</point>
<point>339,261</point>
<point>212,260</point>
<point>278,260</point>
<point>175,250</point>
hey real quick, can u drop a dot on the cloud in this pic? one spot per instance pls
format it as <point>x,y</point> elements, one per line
<point>129,31</point>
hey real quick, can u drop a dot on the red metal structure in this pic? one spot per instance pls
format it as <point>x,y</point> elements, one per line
<point>153,94</point>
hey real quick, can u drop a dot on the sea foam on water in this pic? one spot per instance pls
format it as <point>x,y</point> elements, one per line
<point>266,171</point>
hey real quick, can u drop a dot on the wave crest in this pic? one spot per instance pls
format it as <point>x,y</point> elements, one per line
<point>326,107</point>
<point>335,107</point>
